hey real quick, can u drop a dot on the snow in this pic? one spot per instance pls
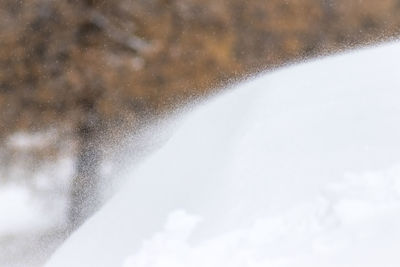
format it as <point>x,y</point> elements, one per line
<point>24,141</point>
<point>35,200</point>
<point>337,228</point>
<point>300,167</point>
<point>17,210</point>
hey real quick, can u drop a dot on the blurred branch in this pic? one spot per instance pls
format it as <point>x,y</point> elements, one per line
<point>119,36</point>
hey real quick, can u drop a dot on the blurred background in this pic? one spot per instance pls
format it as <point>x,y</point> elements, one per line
<point>81,80</point>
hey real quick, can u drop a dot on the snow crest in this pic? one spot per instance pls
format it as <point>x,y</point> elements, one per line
<point>299,167</point>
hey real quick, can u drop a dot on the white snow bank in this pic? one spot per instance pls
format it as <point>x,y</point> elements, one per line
<point>36,201</point>
<point>18,213</point>
<point>295,168</point>
<point>353,222</point>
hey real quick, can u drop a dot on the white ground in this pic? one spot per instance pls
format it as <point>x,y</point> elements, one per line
<point>32,202</point>
<point>300,167</point>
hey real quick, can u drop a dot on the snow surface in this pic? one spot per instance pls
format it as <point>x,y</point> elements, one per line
<point>36,204</point>
<point>17,210</point>
<point>300,167</point>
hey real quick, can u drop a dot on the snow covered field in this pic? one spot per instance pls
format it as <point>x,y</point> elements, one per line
<point>300,167</point>
<point>32,210</point>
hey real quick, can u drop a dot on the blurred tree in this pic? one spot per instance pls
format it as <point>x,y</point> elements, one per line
<point>87,67</point>
<point>61,67</point>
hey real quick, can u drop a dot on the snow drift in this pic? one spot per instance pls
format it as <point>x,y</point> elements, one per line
<point>300,167</point>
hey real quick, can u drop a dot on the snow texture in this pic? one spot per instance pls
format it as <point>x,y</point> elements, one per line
<point>300,167</point>
<point>17,210</point>
<point>37,204</point>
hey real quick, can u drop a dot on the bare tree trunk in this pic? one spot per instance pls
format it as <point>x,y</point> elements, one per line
<point>84,190</point>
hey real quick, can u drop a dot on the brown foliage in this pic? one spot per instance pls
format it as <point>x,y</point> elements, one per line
<point>59,59</point>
